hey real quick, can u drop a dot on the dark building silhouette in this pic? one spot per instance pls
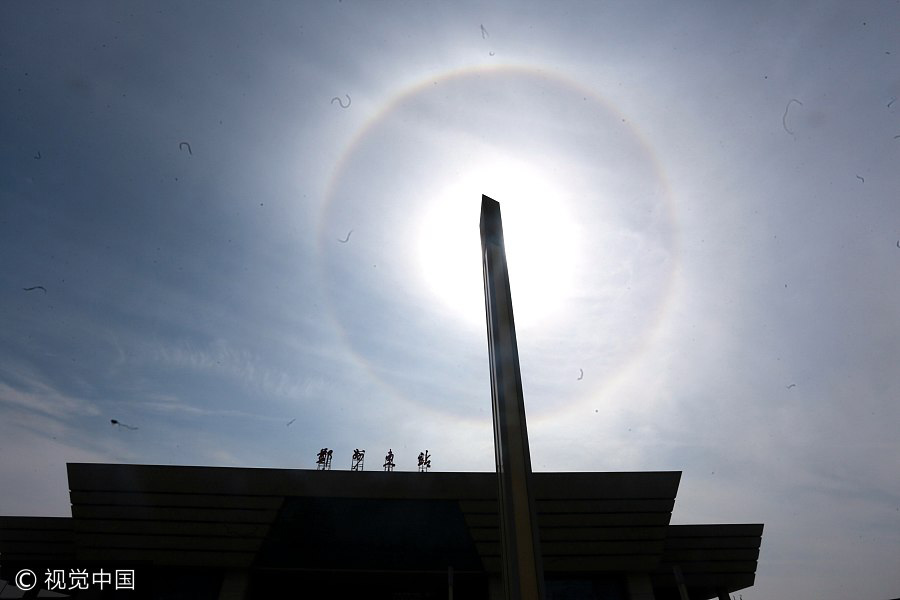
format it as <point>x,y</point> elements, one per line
<point>237,533</point>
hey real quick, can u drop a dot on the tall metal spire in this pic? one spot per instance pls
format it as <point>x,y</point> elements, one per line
<point>523,575</point>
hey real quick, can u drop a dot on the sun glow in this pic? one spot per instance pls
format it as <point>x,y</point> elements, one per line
<point>539,231</point>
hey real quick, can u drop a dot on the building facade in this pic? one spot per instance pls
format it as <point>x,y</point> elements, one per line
<point>238,533</point>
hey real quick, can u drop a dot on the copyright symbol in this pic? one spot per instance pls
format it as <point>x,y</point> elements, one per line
<point>20,579</point>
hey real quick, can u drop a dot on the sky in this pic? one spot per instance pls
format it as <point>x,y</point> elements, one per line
<point>248,232</point>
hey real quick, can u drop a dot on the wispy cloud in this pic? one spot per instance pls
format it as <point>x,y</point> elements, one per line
<point>222,357</point>
<point>172,406</point>
<point>37,396</point>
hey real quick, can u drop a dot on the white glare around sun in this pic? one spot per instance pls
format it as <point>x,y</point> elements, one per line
<point>539,231</point>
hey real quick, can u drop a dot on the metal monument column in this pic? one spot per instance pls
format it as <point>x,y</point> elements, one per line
<point>523,575</point>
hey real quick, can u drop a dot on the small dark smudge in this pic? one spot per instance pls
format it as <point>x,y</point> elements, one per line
<point>784,117</point>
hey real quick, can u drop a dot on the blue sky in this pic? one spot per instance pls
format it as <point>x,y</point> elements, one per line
<point>720,263</point>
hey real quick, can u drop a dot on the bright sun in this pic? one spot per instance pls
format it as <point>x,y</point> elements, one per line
<point>540,235</point>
